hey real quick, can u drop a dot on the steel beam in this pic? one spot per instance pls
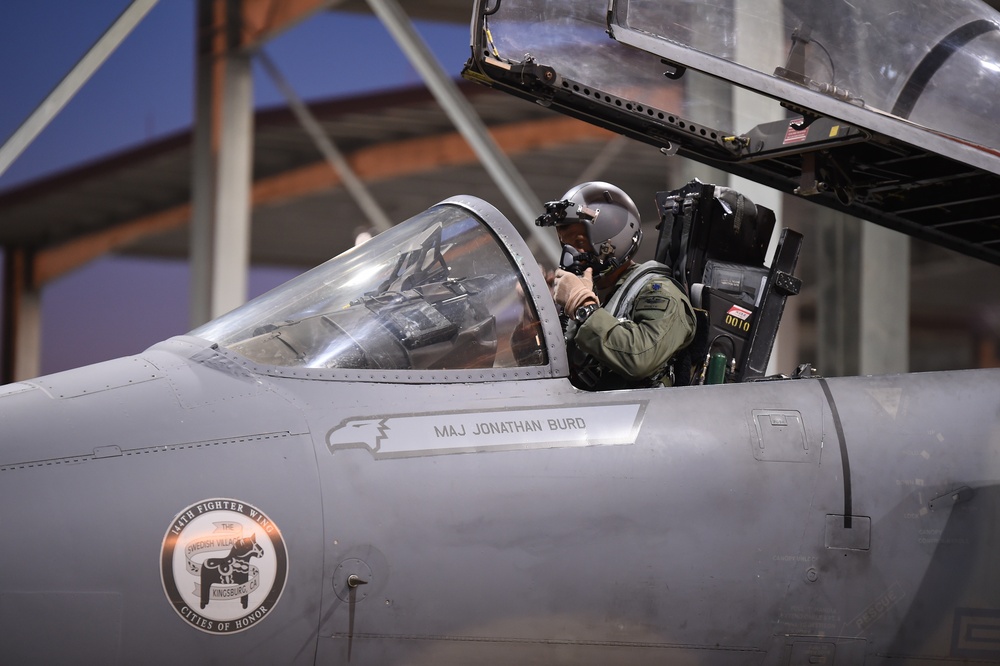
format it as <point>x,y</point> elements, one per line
<point>68,87</point>
<point>355,187</point>
<point>522,198</point>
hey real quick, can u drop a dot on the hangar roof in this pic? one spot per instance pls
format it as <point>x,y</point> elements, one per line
<point>400,143</point>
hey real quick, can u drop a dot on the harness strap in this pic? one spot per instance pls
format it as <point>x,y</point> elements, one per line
<point>621,302</point>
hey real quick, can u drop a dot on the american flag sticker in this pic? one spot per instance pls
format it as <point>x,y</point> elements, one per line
<point>740,313</point>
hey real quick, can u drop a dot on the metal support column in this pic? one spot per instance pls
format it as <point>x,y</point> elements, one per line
<point>885,301</point>
<point>223,154</point>
<point>863,306</point>
<point>22,348</point>
<point>203,166</point>
<point>838,281</point>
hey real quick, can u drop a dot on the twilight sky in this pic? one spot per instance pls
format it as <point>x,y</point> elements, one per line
<point>145,91</point>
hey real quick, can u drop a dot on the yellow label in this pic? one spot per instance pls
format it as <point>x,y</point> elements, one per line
<point>737,323</point>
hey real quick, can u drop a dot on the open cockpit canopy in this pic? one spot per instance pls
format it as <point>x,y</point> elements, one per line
<point>885,110</point>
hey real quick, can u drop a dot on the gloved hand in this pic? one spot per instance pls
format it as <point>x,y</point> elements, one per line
<point>574,291</point>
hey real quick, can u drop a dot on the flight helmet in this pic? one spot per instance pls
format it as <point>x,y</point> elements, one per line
<point>610,218</point>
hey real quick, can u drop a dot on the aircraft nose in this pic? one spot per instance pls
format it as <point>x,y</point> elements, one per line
<point>79,414</point>
<point>176,394</point>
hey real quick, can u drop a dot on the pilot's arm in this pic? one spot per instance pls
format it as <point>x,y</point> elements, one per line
<point>662,323</point>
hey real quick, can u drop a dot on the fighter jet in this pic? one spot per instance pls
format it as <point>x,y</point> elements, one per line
<point>386,461</point>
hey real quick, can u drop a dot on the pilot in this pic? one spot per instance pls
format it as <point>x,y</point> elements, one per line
<point>625,321</point>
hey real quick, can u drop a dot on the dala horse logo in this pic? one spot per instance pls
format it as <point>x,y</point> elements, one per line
<point>233,569</point>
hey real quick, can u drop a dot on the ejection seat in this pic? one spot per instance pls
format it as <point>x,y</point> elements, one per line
<point>714,240</point>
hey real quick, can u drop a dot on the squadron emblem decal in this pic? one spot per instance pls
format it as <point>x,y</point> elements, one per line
<point>223,565</point>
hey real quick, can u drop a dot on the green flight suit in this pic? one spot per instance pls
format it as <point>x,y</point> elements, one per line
<point>637,347</point>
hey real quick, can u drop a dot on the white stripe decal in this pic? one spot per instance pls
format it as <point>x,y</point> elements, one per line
<point>499,430</point>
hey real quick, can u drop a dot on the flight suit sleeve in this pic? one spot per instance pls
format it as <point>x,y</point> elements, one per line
<point>662,323</point>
